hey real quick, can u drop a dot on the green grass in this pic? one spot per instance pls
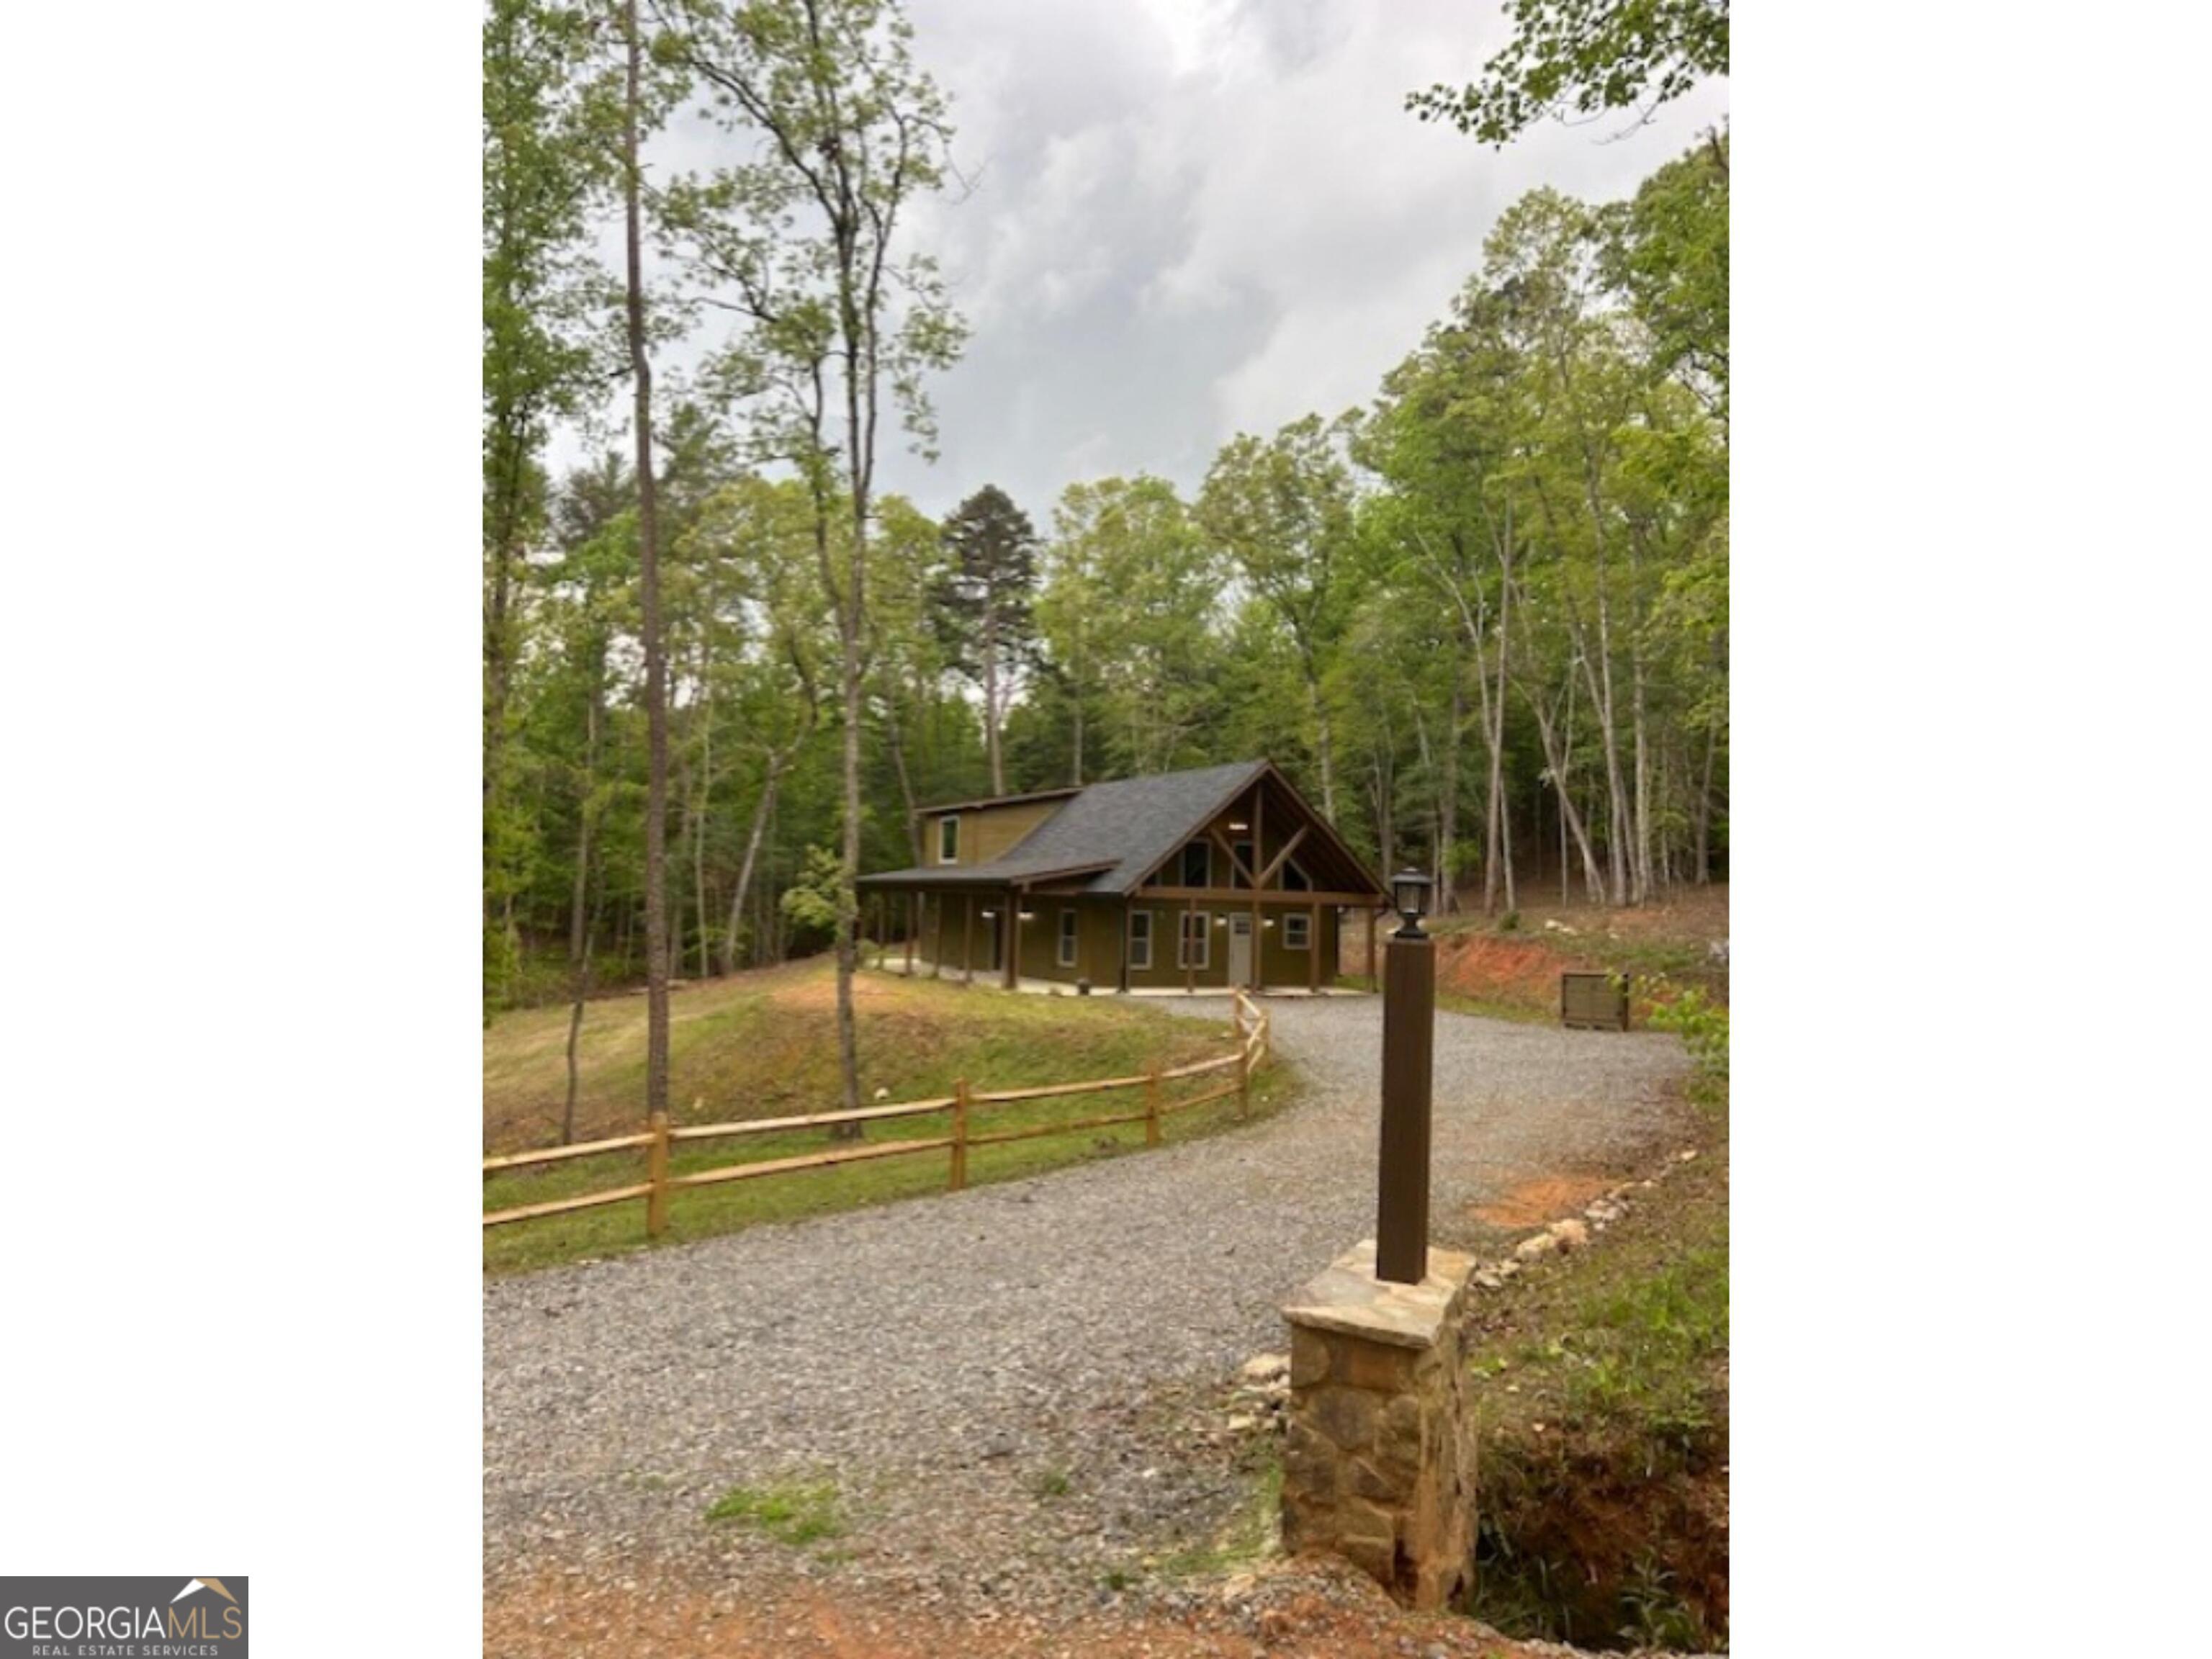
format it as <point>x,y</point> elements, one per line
<point>1250,1535</point>
<point>763,1046</point>
<point>797,1515</point>
<point>1601,1387</point>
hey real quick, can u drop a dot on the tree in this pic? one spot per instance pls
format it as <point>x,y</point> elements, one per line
<point>538,183</point>
<point>1667,252</point>
<point>1585,57</point>
<point>986,599</point>
<point>1127,609</point>
<point>798,243</point>
<point>1282,510</point>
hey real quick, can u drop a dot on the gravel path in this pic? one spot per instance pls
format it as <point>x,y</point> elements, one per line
<point>1048,1360</point>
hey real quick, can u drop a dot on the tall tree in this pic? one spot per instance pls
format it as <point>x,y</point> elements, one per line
<point>985,598</point>
<point>801,243</point>
<point>1281,509</point>
<point>648,545</point>
<point>1133,594</point>
<point>538,183</point>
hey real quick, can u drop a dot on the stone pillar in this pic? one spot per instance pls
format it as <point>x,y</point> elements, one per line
<point>1378,1465</point>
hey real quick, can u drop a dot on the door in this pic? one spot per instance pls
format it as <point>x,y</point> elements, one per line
<point>1240,950</point>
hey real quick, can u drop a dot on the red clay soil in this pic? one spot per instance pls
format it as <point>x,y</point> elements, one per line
<point>1299,1611</point>
<point>1536,1203</point>
<point>1503,968</point>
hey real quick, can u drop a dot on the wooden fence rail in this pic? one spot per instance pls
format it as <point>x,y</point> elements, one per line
<point>1248,1018</point>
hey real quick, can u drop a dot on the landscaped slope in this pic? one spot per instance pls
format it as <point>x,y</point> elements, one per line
<point>763,1045</point>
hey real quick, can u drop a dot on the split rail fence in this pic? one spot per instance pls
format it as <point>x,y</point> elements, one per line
<point>964,1105</point>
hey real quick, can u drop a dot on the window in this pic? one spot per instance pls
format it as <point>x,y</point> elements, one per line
<point>948,839</point>
<point>1066,957</point>
<point>1295,879</point>
<point>1141,939</point>
<point>1243,851</point>
<point>1296,933</point>
<point>1197,942</point>
<point>1197,865</point>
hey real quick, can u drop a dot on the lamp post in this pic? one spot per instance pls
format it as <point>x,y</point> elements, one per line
<point>1409,1033</point>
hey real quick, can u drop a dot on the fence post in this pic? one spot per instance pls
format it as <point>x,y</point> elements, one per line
<point>959,1135</point>
<point>1153,1106</point>
<point>656,1172</point>
<point>1243,1080</point>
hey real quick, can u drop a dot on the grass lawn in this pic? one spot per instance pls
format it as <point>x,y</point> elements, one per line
<point>763,1045</point>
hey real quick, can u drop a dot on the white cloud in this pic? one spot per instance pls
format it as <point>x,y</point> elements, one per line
<point>1196,217</point>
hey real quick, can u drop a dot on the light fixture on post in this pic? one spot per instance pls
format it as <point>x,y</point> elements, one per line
<point>1409,896</point>
<point>1409,1035</point>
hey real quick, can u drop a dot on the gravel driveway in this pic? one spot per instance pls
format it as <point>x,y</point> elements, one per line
<point>1020,1386</point>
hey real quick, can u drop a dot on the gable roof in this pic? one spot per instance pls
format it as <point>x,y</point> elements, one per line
<point>1118,833</point>
<point>1136,822</point>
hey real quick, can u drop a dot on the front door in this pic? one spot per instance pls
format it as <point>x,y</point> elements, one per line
<point>1240,950</point>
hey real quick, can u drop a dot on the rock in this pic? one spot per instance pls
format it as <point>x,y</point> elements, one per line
<point>1572,1235</point>
<point>1239,1423</point>
<point>1534,1249</point>
<point>1266,1367</point>
<point>1688,1156</point>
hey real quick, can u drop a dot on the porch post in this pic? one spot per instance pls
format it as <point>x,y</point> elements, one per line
<point>1313,950</point>
<point>1259,864</point>
<point>967,941</point>
<point>1011,918</point>
<point>1182,947</point>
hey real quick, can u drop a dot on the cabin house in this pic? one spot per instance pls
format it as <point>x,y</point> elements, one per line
<point>1181,881</point>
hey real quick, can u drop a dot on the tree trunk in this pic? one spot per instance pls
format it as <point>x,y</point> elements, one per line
<point>730,939</point>
<point>656,709</point>
<point>991,690</point>
<point>1448,802</point>
<point>581,909</point>
<point>1556,762</point>
<point>1705,814</point>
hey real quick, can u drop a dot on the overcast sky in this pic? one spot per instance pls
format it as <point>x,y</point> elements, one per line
<point>1196,218</point>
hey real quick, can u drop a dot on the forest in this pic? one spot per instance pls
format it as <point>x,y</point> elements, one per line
<point>1481,621</point>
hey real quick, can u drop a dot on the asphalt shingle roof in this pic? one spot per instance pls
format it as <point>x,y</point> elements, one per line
<point>1120,830</point>
<point>1134,822</point>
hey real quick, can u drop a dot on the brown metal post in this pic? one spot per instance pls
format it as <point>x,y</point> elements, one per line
<point>1409,1035</point>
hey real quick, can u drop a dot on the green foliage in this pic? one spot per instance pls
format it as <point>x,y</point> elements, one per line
<point>1585,57</point>
<point>809,904</point>
<point>797,1515</point>
<point>1702,1023</point>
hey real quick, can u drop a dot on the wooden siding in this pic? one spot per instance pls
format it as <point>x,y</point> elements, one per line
<point>987,832</point>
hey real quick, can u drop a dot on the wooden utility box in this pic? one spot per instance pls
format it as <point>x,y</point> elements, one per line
<point>1592,1002</point>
